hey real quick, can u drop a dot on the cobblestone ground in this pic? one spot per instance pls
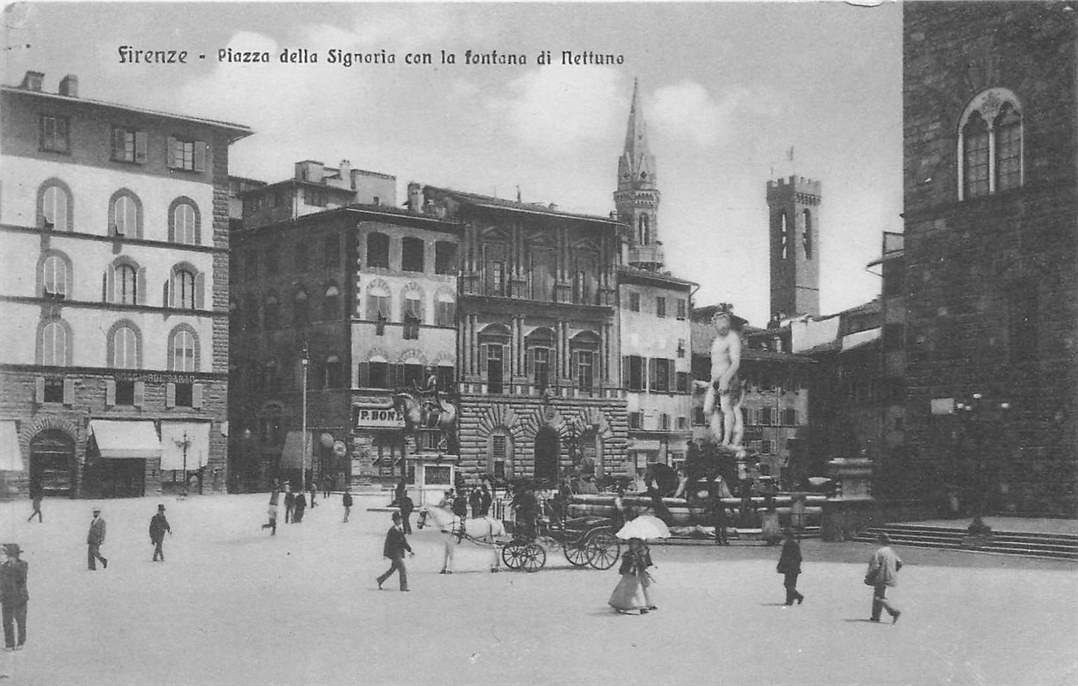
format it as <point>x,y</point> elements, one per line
<point>234,606</point>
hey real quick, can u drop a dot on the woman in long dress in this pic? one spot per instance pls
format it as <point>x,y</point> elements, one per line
<point>632,594</point>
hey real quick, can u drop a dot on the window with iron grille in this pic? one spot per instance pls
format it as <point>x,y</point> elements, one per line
<point>54,133</point>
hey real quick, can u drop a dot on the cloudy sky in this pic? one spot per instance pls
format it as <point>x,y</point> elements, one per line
<point>727,89</point>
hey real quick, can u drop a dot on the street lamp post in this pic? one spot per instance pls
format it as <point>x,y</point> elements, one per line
<point>303,422</point>
<point>185,443</point>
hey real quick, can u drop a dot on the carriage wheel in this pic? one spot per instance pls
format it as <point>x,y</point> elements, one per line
<point>512,555</point>
<point>534,557</point>
<point>576,552</point>
<point>604,549</point>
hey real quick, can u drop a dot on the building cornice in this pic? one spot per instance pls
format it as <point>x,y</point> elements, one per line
<point>176,247</point>
<point>114,307</point>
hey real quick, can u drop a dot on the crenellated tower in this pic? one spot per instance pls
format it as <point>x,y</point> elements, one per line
<point>637,197</point>
<point>793,213</point>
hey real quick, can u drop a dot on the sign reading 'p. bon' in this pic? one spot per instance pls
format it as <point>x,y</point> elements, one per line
<point>367,417</point>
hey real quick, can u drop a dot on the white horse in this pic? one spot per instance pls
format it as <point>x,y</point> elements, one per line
<point>483,531</point>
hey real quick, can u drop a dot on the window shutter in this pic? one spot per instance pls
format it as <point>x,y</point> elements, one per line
<point>110,392</point>
<point>196,396</point>
<point>170,152</point>
<point>483,361</point>
<point>39,390</point>
<point>110,285</point>
<point>364,374</point>
<point>626,371</point>
<point>200,290</point>
<point>166,301</point>
<point>140,295</point>
<point>140,393</point>
<point>529,363</point>
<point>200,155</point>
<point>507,370</point>
<point>140,146</point>
<point>170,395</point>
<point>653,367</point>
<point>69,391</point>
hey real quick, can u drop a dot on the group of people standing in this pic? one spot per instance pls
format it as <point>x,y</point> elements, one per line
<point>295,505</point>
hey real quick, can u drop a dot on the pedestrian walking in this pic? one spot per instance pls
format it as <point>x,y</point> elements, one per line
<point>475,502</point>
<point>299,507</point>
<point>486,500</point>
<point>790,567</point>
<point>883,573</point>
<point>95,538</point>
<point>289,503</point>
<point>36,494</point>
<point>271,512</point>
<point>158,526</point>
<point>312,490</point>
<point>395,546</point>
<point>346,500</point>
<point>13,596</point>
<point>406,508</point>
<point>327,486</point>
<point>632,594</point>
<point>399,491</point>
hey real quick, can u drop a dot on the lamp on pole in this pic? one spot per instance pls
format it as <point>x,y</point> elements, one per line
<point>184,444</point>
<point>303,455</point>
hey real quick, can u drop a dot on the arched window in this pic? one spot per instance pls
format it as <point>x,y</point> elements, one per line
<point>644,226</point>
<point>125,215</point>
<point>445,313</point>
<point>182,289</point>
<point>55,344</point>
<point>54,206</point>
<point>334,372</point>
<point>784,236</point>
<point>124,344</point>
<point>990,144</point>
<point>806,233</point>
<point>300,311</point>
<point>1008,148</point>
<point>125,284</point>
<point>184,222</point>
<point>331,303</point>
<point>271,312</point>
<point>413,314</point>
<point>584,362</point>
<point>975,160</point>
<point>183,350</point>
<point>55,275</point>
<point>378,250</point>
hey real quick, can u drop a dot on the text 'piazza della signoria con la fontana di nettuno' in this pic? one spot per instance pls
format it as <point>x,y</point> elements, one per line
<point>131,55</point>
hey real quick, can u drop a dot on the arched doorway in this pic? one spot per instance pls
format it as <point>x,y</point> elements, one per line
<point>52,462</point>
<point>547,450</point>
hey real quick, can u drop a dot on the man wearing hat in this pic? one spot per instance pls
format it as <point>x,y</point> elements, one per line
<point>883,572</point>
<point>395,547</point>
<point>158,527</point>
<point>94,540</point>
<point>13,596</point>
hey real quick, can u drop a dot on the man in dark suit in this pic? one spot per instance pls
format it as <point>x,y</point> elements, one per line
<point>158,526</point>
<point>13,596</point>
<point>36,494</point>
<point>395,547</point>
<point>95,538</point>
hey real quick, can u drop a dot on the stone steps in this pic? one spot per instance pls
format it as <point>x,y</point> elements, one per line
<point>1043,545</point>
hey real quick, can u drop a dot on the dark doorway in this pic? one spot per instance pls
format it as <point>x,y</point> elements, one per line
<point>52,463</point>
<point>124,478</point>
<point>547,450</point>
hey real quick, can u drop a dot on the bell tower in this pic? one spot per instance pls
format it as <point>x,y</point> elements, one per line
<point>637,197</point>
<point>793,210</point>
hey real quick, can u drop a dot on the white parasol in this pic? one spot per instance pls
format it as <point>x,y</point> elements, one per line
<point>644,527</point>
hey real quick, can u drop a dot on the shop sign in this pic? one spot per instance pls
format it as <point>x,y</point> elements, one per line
<point>373,417</point>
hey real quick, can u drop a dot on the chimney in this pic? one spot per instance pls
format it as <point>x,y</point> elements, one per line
<point>32,81</point>
<point>345,171</point>
<point>69,86</point>
<point>415,197</point>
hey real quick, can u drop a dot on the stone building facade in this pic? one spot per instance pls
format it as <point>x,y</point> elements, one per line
<point>114,220</point>
<point>991,205</point>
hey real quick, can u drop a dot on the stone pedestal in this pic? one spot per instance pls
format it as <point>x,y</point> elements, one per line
<point>854,478</point>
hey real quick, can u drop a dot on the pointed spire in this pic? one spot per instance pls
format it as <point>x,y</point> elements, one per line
<point>636,168</point>
<point>636,136</point>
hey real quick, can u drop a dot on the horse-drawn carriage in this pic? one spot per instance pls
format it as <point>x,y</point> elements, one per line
<point>585,541</point>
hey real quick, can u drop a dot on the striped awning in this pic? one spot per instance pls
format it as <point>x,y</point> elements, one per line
<point>10,453</point>
<point>118,440</point>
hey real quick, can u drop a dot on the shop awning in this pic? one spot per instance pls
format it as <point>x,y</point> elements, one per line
<point>292,453</point>
<point>10,454</point>
<point>125,440</point>
<point>175,435</point>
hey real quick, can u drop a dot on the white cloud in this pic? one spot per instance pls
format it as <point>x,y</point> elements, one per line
<point>398,27</point>
<point>553,109</point>
<point>686,111</point>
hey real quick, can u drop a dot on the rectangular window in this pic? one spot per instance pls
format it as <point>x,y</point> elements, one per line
<point>125,392</point>
<point>315,197</point>
<point>128,145</point>
<point>496,278</point>
<point>682,423</point>
<point>445,258</point>
<point>54,133</point>
<point>682,308</point>
<point>189,155</point>
<point>411,254</point>
<point>185,394</point>
<point>499,451</point>
<point>683,382</point>
<point>413,375</point>
<point>541,364</point>
<point>584,371</point>
<point>494,368</point>
<point>660,375</point>
<point>698,416</point>
<point>377,251</point>
<point>445,313</point>
<point>765,416</point>
<point>379,375</point>
<point>636,420</point>
<point>447,379</point>
<point>660,307</point>
<point>681,348</point>
<point>634,373</point>
<point>664,422</point>
<point>54,390</point>
<point>789,417</point>
<point>634,302</point>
